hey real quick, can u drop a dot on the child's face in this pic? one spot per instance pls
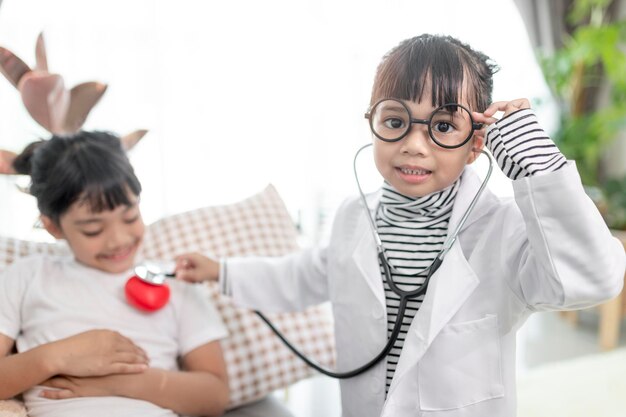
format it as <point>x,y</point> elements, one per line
<point>415,165</point>
<point>107,241</point>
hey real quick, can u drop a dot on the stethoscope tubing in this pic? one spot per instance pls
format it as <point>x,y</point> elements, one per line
<point>405,296</point>
<point>385,350</point>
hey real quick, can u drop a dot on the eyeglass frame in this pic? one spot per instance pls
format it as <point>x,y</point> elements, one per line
<point>475,126</point>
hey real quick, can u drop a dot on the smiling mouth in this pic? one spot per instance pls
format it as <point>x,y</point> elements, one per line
<point>414,171</point>
<point>119,255</point>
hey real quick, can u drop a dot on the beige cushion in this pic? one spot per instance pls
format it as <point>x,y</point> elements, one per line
<point>12,408</point>
<point>257,361</point>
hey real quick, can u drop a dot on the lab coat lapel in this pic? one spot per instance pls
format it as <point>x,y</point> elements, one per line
<point>365,253</point>
<point>449,287</point>
<point>455,280</point>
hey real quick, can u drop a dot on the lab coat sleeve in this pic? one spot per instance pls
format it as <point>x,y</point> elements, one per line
<point>278,284</point>
<point>562,256</point>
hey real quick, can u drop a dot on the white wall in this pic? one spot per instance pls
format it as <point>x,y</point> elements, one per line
<point>242,93</point>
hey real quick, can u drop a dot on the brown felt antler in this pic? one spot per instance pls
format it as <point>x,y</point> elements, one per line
<point>58,110</point>
<point>49,102</point>
<point>6,162</point>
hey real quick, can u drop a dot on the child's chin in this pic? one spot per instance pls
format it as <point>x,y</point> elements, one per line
<point>119,270</point>
<point>116,267</point>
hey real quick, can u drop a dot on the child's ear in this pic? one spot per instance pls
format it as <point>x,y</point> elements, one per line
<point>477,144</point>
<point>51,227</point>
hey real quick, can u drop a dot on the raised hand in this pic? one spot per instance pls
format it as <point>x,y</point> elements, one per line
<point>508,107</point>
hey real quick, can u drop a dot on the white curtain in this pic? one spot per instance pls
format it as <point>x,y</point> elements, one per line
<point>544,21</point>
<point>242,93</point>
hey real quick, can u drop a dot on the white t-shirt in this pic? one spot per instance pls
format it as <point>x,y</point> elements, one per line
<point>44,299</point>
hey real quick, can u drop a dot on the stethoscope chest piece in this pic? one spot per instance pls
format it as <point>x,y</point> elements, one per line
<point>147,290</point>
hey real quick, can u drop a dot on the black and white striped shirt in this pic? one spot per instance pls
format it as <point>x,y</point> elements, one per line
<point>413,230</point>
<point>521,147</point>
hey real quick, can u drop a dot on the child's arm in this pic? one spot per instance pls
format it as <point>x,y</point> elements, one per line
<point>559,253</point>
<point>195,267</point>
<point>95,352</point>
<point>201,389</point>
<point>273,284</point>
<point>517,142</point>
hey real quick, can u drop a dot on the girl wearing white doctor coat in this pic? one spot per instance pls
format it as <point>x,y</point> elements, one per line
<point>546,249</point>
<point>511,259</point>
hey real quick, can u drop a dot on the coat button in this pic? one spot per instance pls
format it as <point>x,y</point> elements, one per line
<point>378,312</point>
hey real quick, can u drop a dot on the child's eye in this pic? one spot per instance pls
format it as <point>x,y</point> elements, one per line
<point>394,123</point>
<point>443,127</point>
<point>131,220</point>
<point>91,234</point>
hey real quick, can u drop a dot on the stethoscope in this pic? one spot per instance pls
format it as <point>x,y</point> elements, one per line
<point>153,277</point>
<point>147,290</point>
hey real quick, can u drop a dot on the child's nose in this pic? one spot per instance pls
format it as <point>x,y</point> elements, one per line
<point>118,238</point>
<point>417,141</point>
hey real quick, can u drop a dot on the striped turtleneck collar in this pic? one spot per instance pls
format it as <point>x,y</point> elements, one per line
<point>399,208</point>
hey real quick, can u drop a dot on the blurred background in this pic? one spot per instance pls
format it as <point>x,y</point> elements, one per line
<point>240,94</point>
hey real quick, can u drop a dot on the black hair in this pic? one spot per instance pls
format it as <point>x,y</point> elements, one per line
<point>403,72</point>
<point>90,167</point>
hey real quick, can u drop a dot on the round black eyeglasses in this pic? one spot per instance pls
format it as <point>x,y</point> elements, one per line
<point>449,126</point>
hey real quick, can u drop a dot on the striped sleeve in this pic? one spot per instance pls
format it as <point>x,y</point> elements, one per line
<point>521,147</point>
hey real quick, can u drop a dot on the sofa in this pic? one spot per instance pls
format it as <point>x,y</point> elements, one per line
<point>258,363</point>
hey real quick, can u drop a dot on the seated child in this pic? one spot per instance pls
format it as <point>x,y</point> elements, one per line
<point>68,317</point>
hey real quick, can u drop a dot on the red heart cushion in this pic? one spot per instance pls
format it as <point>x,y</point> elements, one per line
<point>144,296</point>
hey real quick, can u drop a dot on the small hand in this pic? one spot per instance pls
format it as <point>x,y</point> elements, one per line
<point>71,387</point>
<point>507,107</point>
<point>96,353</point>
<point>195,267</point>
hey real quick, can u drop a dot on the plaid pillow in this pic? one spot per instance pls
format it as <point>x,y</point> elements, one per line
<point>258,362</point>
<point>12,249</point>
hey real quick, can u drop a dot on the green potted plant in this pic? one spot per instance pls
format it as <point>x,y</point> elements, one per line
<point>591,61</point>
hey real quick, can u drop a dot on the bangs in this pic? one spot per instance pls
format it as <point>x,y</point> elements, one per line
<point>103,183</point>
<point>99,194</point>
<point>107,197</point>
<point>409,79</point>
<point>86,168</point>
<point>433,68</point>
<point>106,184</point>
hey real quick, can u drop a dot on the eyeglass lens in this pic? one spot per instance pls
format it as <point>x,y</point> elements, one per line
<point>449,125</point>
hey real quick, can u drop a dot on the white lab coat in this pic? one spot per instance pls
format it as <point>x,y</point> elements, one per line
<point>548,249</point>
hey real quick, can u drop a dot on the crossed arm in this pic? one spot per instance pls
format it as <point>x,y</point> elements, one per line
<point>92,353</point>
<point>105,363</point>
